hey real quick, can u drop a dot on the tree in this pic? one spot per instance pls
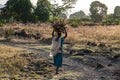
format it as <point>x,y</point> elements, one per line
<point>19,9</point>
<point>56,9</point>
<point>98,11</point>
<point>42,11</point>
<point>78,15</point>
<point>110,16</point>
<point>117,12</point>
<point>63,15</point>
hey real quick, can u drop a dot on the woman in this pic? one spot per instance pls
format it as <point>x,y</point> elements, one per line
<point>57,49</point>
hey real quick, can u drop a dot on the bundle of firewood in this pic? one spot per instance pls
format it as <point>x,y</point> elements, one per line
<point>59,26</point>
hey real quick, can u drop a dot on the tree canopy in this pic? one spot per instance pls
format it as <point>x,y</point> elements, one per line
<point>19,9</point>
<point>117,12</point>
<point>42,11</point>
<point>56,9</point>
<point>23,10</point>
<point>98,11</point>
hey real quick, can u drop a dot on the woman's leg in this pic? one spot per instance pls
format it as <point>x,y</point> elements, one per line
<point>57,69</point>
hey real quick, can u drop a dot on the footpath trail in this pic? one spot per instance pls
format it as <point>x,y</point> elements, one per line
<point>75,69</point>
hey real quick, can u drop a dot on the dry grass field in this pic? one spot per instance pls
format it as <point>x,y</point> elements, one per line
<point>10,61</point>
<point>97,33</point>
<point>108,35</point>
<point>82,33</point>
<point>13,65</point>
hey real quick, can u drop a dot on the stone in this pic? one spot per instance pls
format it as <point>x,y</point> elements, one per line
<point>91,43</point>
<point>99,66</point>
<point>101,45</point>
<point>83,52</point>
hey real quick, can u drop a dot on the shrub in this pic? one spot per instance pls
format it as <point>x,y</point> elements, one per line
<point>52,19</point>
<point>1,24</point>
<point>28,18</point>
<point>86,19</point>
<point>8,33</point>
<point>107,22</point>
<point>116,21</point>
<point>74,22</point>
<point>111,22</point>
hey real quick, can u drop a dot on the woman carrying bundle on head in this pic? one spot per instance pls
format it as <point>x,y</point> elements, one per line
<point>57,48</point>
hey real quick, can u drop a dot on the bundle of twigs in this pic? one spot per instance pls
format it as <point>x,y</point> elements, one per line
<point>59,26</point>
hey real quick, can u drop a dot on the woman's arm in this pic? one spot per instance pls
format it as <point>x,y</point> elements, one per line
<point>53,33</point>
<point>65,34</point>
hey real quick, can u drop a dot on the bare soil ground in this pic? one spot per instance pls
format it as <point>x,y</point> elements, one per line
<point>76,66</point>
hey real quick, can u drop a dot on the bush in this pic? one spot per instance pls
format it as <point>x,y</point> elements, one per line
<point>1,24</point>
<point>86,19</point>
<point>107,22</point>
<point>2,21</point>
<point>28,18</point>
<point>6,19</point>
<point>8,33</point>
<point>111,22</point>
<point>116,22</point>
<point>52,19</point>
<point>74,22</point>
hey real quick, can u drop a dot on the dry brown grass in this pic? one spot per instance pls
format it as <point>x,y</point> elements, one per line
<point>96,33</point>
<point>15,64</point>
<point>8,51</point>
<point>80,34</point>
<point>10,61</point>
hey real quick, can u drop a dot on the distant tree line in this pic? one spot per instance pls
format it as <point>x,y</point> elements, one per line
<point>98,15</point>
<point>23,10</point>
<point>45,10</point>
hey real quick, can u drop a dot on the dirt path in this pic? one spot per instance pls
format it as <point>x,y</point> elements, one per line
<point>73,69</point>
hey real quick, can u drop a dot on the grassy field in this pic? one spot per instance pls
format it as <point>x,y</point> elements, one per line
<point>11,61</point>
<point>17,63</point>
<point>106,34</point>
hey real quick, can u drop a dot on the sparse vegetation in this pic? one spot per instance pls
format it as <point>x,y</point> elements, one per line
<point>8,33</point>
<point>74,22</point>
<point>10,62</point>
<point>82,33</point>
<point>16,63</point>
<point>91,49</point>
<point>85,41</point>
